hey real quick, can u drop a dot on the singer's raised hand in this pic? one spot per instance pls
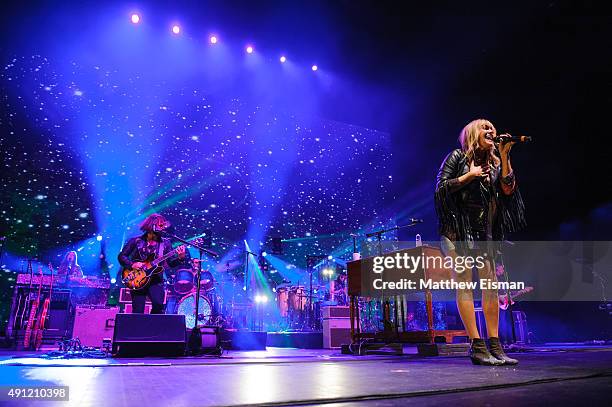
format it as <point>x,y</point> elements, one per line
<point>505,147</point>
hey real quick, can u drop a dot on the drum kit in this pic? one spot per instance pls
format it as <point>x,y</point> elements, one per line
<point>298,309</point>
<point>223,302</point>
<point>217,304</point>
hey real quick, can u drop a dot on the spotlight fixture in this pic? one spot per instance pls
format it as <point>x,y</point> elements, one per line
<point>261,299</point>
<point>249,49</point>
<point>328,272</point>
<point>176,29</point>
<point>213,39</point>
<point>135,18</point>
<point>314,67</point>
<point>283,59</point>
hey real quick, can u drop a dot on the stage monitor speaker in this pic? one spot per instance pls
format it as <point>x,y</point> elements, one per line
<point>149,335</point>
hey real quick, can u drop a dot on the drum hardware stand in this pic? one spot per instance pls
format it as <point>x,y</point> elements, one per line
<point>194,345</point>
<point>310,267</point>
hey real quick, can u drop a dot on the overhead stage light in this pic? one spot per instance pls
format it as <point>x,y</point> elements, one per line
<point>283,59</point>
<point>314,67</point>
<point>249,49</point>
<point>213,39</point>
<point>135,18</point>
<point>176,29</point>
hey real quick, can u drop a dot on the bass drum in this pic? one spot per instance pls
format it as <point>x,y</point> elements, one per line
<point>186,306</point>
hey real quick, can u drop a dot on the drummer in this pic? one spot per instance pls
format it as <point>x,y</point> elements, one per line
<point>339,289</point>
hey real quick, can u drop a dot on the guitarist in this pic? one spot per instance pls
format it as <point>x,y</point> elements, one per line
<point>138,249</point>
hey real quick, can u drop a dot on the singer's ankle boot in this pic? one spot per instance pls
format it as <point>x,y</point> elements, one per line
<point>497,351</point>
<point>479,354</point>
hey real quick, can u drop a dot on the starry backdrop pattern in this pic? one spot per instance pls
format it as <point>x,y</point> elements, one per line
<point>89,150</point>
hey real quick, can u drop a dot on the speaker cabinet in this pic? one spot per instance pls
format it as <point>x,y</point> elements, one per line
<point>336,332</point>
<point>127,308</point>
<point>94,323</point>
<point>149,335</point>
<point>336,311</point>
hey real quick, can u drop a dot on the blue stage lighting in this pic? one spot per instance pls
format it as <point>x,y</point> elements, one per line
<point>283,59</point>
<point>135,18</point>
<point>176,29</point>
<point>249,49</point>
<point>213,39</point>
<point>314,67</point>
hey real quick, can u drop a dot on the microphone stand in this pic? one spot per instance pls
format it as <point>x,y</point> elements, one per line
<point>194,345</point>
<point>246,280</point>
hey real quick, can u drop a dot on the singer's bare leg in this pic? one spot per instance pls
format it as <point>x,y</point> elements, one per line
<point>490,302</point>
<point>465,301</point>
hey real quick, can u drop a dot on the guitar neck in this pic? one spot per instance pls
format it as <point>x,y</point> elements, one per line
<point>171,253</point>
<point>163,258</point>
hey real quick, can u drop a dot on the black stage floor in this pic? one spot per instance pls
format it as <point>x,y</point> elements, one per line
<point>570,375</point>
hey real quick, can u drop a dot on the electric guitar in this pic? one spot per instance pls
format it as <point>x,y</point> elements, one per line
<point>504,303</point>
<point>28,338</point>
<point>139,278</point>
<point>44,316</point>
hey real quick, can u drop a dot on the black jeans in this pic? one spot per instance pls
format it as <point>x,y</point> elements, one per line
<point>155,292</point>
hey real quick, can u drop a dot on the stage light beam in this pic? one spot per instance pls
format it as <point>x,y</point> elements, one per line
<point>249,49</point>
<point>315,68</point>
<point>213,39</point>
<point>283,59</point>
<point>176,29</point>
<point>135,18</point>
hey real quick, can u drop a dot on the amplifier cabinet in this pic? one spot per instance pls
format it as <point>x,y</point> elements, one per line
<point>127,308</point>
<point>94,323</point>
<point>125,296</point>
<point>336,332</point>
<point>336,311</point>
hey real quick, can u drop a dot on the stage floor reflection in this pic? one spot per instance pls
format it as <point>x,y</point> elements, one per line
<point>280,376</point>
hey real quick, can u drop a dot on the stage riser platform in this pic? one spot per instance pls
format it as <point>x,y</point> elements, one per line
<point>300,340</point>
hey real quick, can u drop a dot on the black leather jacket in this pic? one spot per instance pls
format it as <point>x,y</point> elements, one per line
<point>478,210</point>
<point>135,250</point>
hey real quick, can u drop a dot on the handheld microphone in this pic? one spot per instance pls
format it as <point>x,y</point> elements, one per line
<point>413,220</point>
<point>506,138</point>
